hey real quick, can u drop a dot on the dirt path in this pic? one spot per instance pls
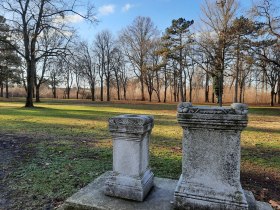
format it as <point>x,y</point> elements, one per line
<point>12,152</point>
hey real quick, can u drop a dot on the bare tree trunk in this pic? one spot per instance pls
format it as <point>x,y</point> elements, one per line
<point>237,72</point>
<point>142,88</point>
<point>68,92</point>
<point>190,94</point>
<point>7,89</point>
<point>158,86</point>
<point>124,92</point>
<point>278,88</point>
<point>101,89</point>
<point>213,91</point>
<point>236,89</point>
<point>207,88</point>
<point>220,97</point>
<point>178,91</point>
<point>158,96</point>
<point>30,83</point>
<point>181,88</point>
<point>37,93</point>
<point>191,89</point>
<point>92,89</point>
<point>165,84</point>
<point>34,91</point>
<point>108,87</point>
<point>174,93</point>
<point>243,96</point>
<point>54,91</point>
<point>2,90</point>
<point>54,87</point>
<point>272,98</point>
<point>174,87</point>
<point>118,89</point>
<point>240,94</point>
<point>77,93</point>
<point>185,86</point>
<point>165,93</point>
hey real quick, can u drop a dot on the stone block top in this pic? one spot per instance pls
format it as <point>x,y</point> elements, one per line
<point>129,123</point>
<point>232,118</point>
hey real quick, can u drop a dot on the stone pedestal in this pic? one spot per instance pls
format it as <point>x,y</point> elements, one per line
<point>211,158</point>
<point>131,177</point>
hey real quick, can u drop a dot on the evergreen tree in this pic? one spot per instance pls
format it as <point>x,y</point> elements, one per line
<point>177,37</point>
<point>9,61</point>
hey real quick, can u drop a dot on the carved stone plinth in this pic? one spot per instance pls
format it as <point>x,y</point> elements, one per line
<point>211,158</point>
<point>131,177</point>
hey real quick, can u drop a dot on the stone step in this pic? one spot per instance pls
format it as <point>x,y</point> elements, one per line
<point>161,197</point>
<point>263,206</point>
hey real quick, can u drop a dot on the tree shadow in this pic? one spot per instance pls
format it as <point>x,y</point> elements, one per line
<point>265,111</point>
<point>263,130</point>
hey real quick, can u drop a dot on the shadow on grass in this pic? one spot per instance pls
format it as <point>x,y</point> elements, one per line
<point>166,167</point>
<point>262,155</point>
<point>42,112</point>
<point>48,130</point>
<point>262,130</point>
<point>267,111</point>
<point>127,105</point>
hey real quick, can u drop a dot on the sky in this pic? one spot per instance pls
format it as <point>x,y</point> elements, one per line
<point>114,15</point>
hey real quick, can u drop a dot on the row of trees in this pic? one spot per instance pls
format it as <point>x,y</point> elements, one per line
<point>227,49</point>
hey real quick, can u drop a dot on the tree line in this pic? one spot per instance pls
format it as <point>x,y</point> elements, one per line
<point>225,49</point>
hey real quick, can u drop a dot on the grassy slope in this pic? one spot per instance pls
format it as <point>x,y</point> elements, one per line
<point>72,144</point>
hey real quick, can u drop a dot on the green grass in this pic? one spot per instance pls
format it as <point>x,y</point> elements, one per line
<point>72,144</point>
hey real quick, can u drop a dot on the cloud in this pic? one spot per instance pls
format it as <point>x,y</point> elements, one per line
<point>127,7</point>
<point>68,19</point>
<point>106,9</point>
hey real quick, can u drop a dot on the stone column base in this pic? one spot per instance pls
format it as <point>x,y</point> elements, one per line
<point>129,187</point>
<point>192,196</point>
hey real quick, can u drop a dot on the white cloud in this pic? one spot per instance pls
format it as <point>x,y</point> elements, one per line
<point>68,19</point>
<point>106,9</point>
<point>127,7</point>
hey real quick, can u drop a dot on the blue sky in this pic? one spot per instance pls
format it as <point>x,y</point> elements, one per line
<point>116,14</point>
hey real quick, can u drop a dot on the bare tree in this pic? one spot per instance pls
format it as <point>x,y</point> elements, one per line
<point>88,66</point>
<point>218,17</point>
<point>103,47</point>
<point>190,71</point>
<point>67,66</point>
<point>117,64</point>
<point>153,73</point>
<point>54,75</point>
<point>29,19</point>
<point>266,14</point>
<point>136,39</point>
<point>49,40</point>
<point>271,71</point>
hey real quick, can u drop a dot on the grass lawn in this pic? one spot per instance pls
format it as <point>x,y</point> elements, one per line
<point>64,145</point>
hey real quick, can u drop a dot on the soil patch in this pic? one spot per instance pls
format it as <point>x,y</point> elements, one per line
<point>265,185</point>
<point>14,149</point>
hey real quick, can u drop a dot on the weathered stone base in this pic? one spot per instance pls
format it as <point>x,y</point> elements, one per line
<point>160,197</point>
<point>190,195</point>
<point>133,188</point>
